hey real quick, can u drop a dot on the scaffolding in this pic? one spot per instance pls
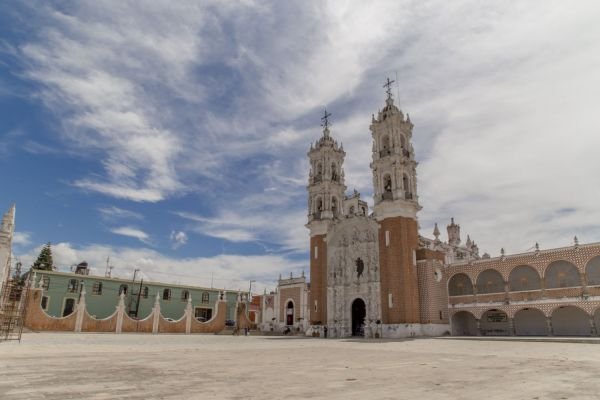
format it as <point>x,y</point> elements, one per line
<point>12,309</point>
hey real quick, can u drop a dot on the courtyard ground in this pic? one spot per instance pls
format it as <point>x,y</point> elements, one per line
<point>129,366</point>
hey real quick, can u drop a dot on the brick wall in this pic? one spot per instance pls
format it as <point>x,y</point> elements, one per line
<point>318,280</point>
<point>398,271</point>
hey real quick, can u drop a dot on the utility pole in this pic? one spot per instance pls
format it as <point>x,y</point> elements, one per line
<point>131,294</point>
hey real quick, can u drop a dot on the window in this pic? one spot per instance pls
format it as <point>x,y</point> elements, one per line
<point>185,295</point>
<point>123,290</point>
<point>203,314</point>
<point>145,292</point>
<point>387,238</point>
<point>390,300</point>
<point>44,302</point>
<point>167,294</point>
<point>45,282</point>
<point>205,297</point>
<point>69,307</point>
<point>97,288</point>
<point>334,175</point>
<point>72,286</point>
<point>316,252</point>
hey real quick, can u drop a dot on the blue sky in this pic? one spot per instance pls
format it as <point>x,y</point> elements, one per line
<point>172,137</point>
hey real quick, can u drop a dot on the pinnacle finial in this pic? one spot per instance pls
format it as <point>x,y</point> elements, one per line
<point>436,231</point>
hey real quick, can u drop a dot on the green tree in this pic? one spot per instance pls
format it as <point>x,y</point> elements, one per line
<point>44,260</point>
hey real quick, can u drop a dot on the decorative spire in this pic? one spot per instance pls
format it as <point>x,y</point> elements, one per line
<point>468,243</point>
<point>436,232</point>
<point>325,123</point>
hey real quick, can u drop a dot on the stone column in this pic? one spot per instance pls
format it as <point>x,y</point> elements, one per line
<point>188,315</point>
<point>80,310</point>
<point>156,314</point>
<point>478,322</point>
<point>549,324</point>
<point>593,329</point>
<point>475,293</point>
<point>506,292</point>
<point>120,313</point>
<point>543,286</point>
<point>511,327</point>
<point>583,279</point>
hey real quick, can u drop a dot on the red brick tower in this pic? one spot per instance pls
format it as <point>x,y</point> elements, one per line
<point>395,208</point>
<point>325,204</point>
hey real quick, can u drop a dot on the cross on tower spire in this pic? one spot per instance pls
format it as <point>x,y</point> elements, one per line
<point>388,86</point>
<point>325,119</point>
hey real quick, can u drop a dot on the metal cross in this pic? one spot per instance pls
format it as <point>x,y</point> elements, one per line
<point>325,119</point>
<point>388,85</point>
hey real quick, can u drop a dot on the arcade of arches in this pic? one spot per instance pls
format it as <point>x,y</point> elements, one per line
<point>555,299</point>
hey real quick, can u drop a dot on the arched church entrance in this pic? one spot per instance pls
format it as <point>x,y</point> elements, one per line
<point>359,312</point>
<point>289,313</point>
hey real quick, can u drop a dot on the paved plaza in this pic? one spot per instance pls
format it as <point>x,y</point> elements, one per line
<point>107,366</point>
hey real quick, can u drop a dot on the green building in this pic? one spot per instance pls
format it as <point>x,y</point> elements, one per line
<point>62,290</point>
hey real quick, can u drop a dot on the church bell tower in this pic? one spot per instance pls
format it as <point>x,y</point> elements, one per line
<point>395,208</point>
<point>325,205</point>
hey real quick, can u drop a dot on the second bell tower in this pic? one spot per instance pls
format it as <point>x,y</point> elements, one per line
<point>395,208</point>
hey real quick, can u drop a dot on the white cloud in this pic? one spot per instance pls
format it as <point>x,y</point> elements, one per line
<point>114,213</point>
<point>222,271</point>
<point>132,232</point>
<point>188,97</point>
<point>21,238</point>
<point>178,239</point>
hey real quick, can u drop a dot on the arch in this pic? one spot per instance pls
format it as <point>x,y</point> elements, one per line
<point>406,186</point>
<point>289,312</point>
<point>460,285</point>
<point>185,295</point>
<point>387,183</point>
<point>351,212</point>
<point>334,205</point>
<point>334,173</point>
<point>319,204</point>
<point>494,322</point>
<point>363,211</point>
<point>560,274</point>
<point>319,169</point>
<point>359,314</point>
<point>123,289</point>
<point>205,297</point>
<point>490,281</point>
<point>166,294</point>
<point>592,271</point>
<point>464,324</point>
<point>530,322</point>
<point>524,277</point>
<point>385,143</point>
<point>570,321</point>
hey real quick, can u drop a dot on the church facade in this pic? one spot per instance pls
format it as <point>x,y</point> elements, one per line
<point>373,275</point>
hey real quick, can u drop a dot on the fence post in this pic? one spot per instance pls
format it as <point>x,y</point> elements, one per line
<point>188,316</point>
<point>120,313</point>
<point>80,310</point>
<point>156,314</point>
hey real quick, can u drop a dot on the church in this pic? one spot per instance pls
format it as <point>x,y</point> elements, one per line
<point>372,274</point>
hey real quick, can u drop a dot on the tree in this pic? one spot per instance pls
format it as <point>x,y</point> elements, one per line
<point>44,260</point>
